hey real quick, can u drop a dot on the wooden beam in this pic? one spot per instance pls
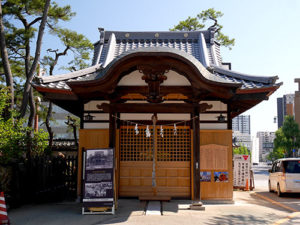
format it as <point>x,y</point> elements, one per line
<point>153,107</point>
<point>96,121</point>
<point>93,111</point>
<point>159,122</point>
<point>250,96</point>
<point>215,112</point>
<point>164,90</point>
<point>212,121</point>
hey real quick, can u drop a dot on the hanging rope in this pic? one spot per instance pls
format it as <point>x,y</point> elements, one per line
<point>169,124</point>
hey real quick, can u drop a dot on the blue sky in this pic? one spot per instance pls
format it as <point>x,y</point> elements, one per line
<point>267,35</point>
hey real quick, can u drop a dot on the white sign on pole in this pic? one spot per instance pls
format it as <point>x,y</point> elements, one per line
<point>241,170</point>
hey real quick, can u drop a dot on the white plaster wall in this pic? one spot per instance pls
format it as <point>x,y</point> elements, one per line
<point>95,125</point>
<point>174,78</point>
<point>213,126</point>
<point>92,105</point>
<point>160,116</point>
<point>203,126</point>
<point>135,79</point>
<point>99,116</point>
<point>211,116</point>
<point>217,105</point>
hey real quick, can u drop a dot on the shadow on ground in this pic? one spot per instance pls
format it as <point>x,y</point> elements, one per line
<point>239,219</point>
<point>290,200</point>
<point>70,213</point>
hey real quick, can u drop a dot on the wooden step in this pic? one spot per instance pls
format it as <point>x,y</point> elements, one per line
<point>155,198</point>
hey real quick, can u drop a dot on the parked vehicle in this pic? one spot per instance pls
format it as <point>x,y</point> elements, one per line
<point>284,177</point>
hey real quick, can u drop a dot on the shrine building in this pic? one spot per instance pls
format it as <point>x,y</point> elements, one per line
<point>165,102</point>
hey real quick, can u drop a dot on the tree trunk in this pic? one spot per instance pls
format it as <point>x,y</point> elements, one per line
<point>75,135</point>
<point>49,129</point>
<point>30,124</point>
<point>27,87</point>
<point>49,112</point>
<point>32,108</point>
<point>5,61</point>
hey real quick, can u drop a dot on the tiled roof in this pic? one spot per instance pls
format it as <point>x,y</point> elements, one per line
<point>247,81</point>
<point>59,81</point>
<point>205,73</point>
<point>64,144</point>
<point>199,47</point>
<point>199,44</point>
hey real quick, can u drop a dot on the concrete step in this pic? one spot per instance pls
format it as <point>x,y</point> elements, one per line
<point>153,208</point>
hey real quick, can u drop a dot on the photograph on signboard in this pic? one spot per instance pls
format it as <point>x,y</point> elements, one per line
<point>97,190</point>
<point>98,175</point>
<point>221,176</point>
<point>205,176</point>
<point>99,159</point>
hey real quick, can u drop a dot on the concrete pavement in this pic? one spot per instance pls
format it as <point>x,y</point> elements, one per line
<point>247,209</point>
<point>256,207</point>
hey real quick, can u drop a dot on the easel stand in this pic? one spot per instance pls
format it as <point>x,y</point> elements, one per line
<point>98,211</point>
<point>98,182</point>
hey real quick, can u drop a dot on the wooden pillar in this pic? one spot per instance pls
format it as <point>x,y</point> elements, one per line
<point>81,115</point>
<point>196,153</point>
<point>154,154</point>
<point>80,156</point>
<point>118,122</point>
<point>112,129</point>
<point>229,120</point>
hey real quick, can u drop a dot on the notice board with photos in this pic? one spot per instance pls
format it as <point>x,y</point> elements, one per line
<point>241,171</point>
<point>98,178</point>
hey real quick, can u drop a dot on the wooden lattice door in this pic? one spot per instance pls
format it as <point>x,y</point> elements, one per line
<point>172,162</point>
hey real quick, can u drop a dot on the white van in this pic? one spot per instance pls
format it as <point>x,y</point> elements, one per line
<point>284,176</point>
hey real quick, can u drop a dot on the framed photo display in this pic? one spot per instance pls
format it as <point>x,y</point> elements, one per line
<point>98,185</point>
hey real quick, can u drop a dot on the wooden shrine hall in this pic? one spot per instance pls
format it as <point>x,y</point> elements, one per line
<point>165,102</point>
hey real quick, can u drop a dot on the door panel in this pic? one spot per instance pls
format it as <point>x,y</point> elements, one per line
<point>172,162</point>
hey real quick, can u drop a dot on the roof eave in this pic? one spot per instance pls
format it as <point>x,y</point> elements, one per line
<point>63,93</point>
<point>242,76</point>
<point>270,90</point>
<point>67,76</point>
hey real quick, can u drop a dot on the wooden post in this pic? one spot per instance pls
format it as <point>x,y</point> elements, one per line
<point>80,156</point>
<point>81,116</point>
<point>229,120</point>
<point>154,120</point>
<point>196,154</point>
<point>112,130</point>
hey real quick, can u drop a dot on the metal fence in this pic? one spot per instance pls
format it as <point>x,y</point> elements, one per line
<point>44,179</point>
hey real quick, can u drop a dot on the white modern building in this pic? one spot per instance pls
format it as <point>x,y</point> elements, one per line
<point>241,131</point>
<point>265,144</point>
<point>241,123</point>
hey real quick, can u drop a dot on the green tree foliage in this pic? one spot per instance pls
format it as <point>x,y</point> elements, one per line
<point>73,42</point>
<point>199,22</point>
<point>13,135</point>
<point>286,139</point>
<point>190,24</point>
<point>24,23</point>
<point>241,150</point>
<point>277,153</point>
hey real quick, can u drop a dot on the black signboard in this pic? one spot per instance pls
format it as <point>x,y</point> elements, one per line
<point>98,178</point>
